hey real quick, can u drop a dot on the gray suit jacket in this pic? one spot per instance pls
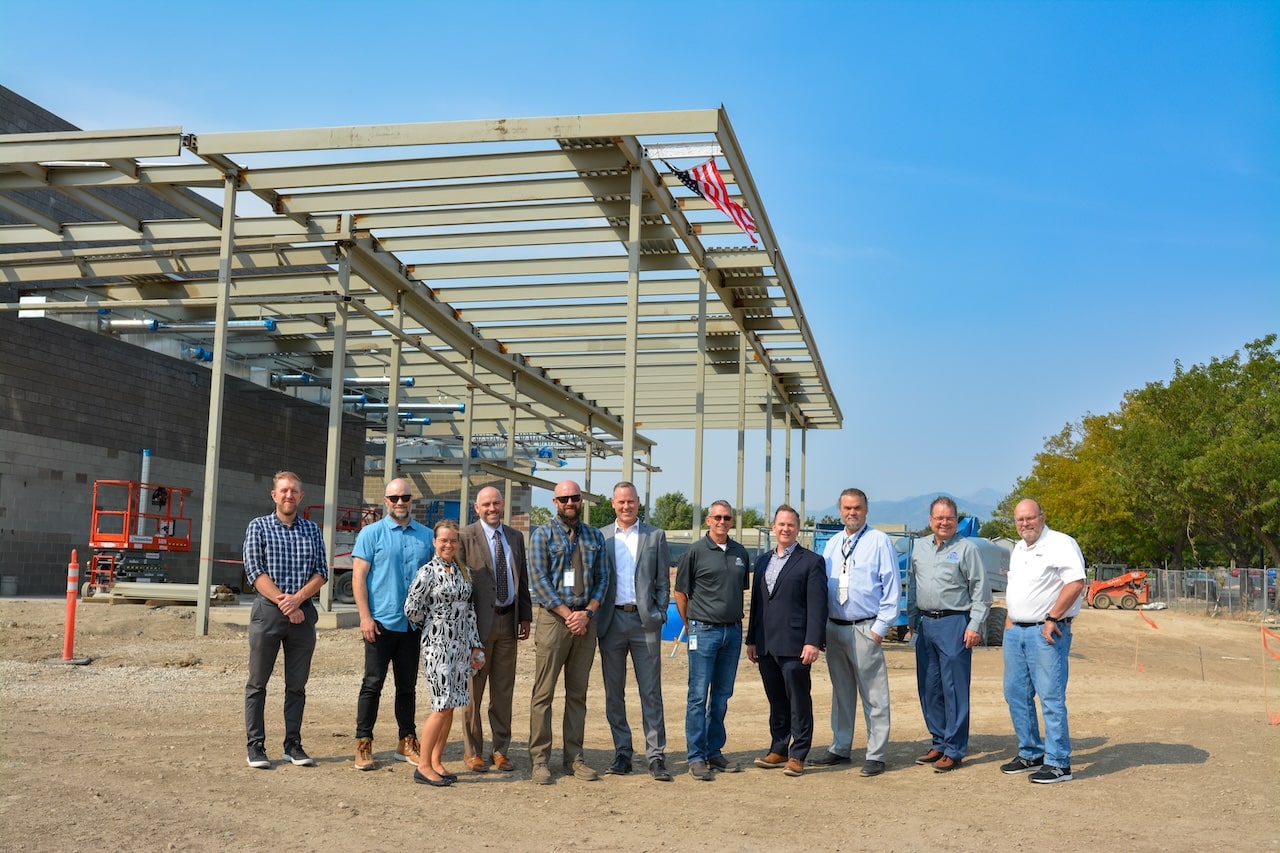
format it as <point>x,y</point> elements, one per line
<point>653,579</point>
<point>473,552</point>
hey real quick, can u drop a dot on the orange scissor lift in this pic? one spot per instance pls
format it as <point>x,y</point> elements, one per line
<point>133,525</point>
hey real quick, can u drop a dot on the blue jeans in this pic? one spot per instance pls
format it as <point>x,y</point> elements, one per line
<point>713,667</point>
<point>1033,667</point>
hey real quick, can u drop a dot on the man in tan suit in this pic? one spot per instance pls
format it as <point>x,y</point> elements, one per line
<point>494,552</point>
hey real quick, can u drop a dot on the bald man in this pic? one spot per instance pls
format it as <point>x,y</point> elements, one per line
<point>1046,578</point>
<point>385,559</point>
<point>494,552</point>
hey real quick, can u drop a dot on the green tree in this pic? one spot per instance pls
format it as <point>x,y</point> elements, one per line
<point>752,518</point>
<point>538,516</point>
<point>830,519</point>
<point>602,513</point>
<point>673,511</point>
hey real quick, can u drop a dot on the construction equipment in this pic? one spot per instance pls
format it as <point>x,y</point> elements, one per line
<point>1128,590</point>
<point>133,524</point>
<point>350,520</point>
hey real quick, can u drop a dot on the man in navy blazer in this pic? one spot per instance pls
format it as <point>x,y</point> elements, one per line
<point>787,629</point>
<point>630,623</point>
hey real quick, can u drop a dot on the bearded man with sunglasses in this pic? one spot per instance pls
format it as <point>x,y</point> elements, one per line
<point>385,559</point>
<point>568,572</point>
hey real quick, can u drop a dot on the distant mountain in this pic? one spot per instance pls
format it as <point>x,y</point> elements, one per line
<point>914,511</point>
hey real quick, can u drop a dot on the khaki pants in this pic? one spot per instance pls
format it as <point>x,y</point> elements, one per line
<point>558,649</point>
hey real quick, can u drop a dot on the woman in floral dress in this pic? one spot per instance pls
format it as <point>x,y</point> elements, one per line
<point>440,601</point>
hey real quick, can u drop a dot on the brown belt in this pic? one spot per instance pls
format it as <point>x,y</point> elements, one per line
<point>626,608</point>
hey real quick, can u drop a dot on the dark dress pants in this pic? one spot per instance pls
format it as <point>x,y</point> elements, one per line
<point>787,684</point>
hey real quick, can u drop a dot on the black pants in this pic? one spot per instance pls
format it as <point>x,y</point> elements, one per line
<point>399,649</point>
<point>787,684</point>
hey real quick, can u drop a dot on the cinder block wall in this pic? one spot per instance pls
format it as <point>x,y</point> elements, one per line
<point>76,407</point>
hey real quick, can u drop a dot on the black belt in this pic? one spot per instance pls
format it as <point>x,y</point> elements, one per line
<point>626,608</point>
<point>938,614</point>
<point>504,610</point>
<point>848,622</point>
<point>1066,621</point>
<point>718,624</point>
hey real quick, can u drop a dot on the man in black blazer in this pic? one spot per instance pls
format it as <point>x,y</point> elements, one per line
<point>631,618</point>
<point>503,614</point>
<point>787,629</point>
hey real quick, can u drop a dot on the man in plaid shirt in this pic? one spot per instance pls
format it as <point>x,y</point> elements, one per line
<point>286,562</point>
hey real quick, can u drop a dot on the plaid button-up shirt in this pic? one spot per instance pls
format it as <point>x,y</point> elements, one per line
<point>289,554</point>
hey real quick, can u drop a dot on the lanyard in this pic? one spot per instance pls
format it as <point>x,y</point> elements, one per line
<point>847,554</point>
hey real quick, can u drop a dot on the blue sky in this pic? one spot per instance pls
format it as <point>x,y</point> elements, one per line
<point>999,216</point>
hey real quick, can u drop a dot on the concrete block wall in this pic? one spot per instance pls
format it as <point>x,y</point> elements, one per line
<point>76,407</point>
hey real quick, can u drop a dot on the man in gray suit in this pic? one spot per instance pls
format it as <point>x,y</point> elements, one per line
<point>631,618</point>
<point>494,552</point>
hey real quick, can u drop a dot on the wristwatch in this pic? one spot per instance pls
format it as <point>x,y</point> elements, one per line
<point>591,614</point>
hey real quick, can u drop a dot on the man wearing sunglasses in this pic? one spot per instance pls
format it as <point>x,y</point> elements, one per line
<point>710,581</point>
<point>385,559</point>
<point>568,572</point>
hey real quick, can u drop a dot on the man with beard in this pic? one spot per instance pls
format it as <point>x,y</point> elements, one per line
<point>568,573</point>
<point>385,559</point>
<point>286,562</point>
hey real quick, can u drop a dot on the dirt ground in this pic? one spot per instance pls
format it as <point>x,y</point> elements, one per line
<point>143,749</point>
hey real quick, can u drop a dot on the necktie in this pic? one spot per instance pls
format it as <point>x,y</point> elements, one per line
<point>500,568</point>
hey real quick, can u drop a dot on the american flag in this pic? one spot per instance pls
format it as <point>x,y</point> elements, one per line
<point>704,179</point>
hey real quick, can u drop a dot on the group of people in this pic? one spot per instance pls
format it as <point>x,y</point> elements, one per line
<point>459,601</point>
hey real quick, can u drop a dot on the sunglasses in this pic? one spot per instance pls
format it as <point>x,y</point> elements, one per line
<point>569,499</point>
<point>400,498</point>
<point>722,518</point>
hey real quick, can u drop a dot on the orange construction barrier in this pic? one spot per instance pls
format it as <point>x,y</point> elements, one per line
<point>73,591</point>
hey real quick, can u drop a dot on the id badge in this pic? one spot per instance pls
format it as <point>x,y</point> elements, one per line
<point>693,642</point>
<point>570,578</point>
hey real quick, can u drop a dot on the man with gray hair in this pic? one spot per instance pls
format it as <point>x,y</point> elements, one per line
<point>863,589</point>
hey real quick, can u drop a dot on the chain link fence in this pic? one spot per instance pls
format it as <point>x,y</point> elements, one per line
<point>1225,592</point>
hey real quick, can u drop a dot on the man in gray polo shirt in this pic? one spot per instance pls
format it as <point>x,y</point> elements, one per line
<point>947,603</point>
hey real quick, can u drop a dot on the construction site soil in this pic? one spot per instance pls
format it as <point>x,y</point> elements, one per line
<point>143,749</point>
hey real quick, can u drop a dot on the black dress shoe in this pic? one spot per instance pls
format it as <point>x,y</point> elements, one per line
<point>427,780</point>
<point>621,766</point>
<point>658,770</point>
<point>449,777</point>
<point>872,768</point>
<point>829,759</point>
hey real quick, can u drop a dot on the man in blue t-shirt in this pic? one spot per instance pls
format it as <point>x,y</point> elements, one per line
<point>385,559</point>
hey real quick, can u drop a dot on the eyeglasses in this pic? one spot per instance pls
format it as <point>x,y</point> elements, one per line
<point>944,519</point>
<point>568,499</point>
<point>400,498</point>
<point>722,518</point>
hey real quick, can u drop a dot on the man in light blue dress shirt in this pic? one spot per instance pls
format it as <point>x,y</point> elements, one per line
<point>863,589</point>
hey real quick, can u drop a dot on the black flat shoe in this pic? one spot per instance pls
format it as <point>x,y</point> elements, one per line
<point>449,777</point>
<point>426,780</point>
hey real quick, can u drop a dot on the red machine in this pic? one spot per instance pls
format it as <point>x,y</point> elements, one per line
<point>1128,590</point>
<point>133,524</point>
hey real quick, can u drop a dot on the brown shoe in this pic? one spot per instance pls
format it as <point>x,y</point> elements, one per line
<point>502,763</point>
<point>364,754</point>
<point>945,764</point>
<point>929,757</point>
<point>795,767</point>
<point>407,749</point>
<point>475,764</point>
<point>772,761</point>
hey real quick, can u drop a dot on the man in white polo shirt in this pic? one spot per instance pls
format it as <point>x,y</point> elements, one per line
<point>1046,579</point>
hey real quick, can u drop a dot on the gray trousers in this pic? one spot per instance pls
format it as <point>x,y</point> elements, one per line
<point>857,666</point>
<point>628,636</point>
<point>269,632</point>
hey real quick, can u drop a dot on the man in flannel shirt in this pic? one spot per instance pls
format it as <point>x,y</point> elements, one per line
<point>286,562</point>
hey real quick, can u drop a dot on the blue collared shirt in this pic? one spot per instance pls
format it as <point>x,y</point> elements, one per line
<point>394,554</point>
<point>875,586</point>
<point>289,554</point>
